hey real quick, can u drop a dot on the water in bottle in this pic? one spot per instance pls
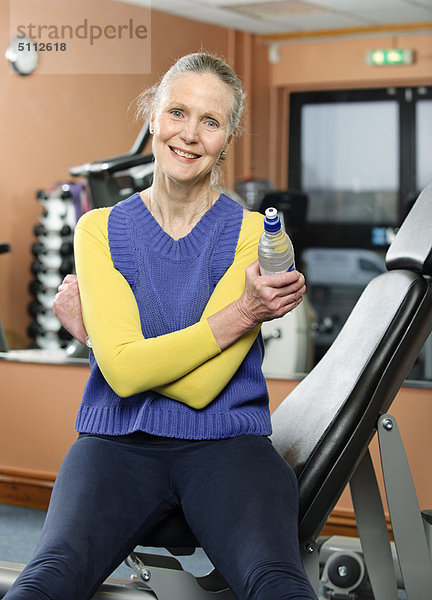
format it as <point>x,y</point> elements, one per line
<point>275,250</point>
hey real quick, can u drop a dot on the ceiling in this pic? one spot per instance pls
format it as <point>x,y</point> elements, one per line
<point>291,16</point>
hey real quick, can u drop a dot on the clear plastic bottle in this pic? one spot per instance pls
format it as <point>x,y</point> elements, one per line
<point>275,250</point>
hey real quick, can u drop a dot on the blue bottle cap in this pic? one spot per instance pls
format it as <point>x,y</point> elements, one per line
<point>271,221</point>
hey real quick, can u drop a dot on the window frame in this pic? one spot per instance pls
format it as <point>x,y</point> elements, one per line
<point>406,98</point>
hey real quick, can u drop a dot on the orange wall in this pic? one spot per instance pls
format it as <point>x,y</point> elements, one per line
<point>38,408</point>
<point>335,63</point>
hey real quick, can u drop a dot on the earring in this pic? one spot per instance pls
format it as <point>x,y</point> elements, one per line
<point>223,153</point>
<point>151,131</point>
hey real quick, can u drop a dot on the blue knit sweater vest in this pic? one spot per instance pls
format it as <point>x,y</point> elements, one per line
<point>172,281</point>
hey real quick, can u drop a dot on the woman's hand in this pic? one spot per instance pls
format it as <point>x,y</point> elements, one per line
<point>265,297</point>
<point>268,297</point>
<point>67,308</point>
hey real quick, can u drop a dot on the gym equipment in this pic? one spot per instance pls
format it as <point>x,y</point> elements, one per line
<point>251,191</point>
<point>343,569</point>
<point>62,205</point>
<point>323,429</point>
<point>289,342</point>
<point>113,179</point>
<point>108,181</point>
<point>292,206</point>
<point>335,279</point>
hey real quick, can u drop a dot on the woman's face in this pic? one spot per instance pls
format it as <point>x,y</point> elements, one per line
<point>191,126</point>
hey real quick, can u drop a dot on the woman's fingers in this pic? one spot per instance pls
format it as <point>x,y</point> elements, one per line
<point>67,307</point>
<point>69,282</point>
<point>280,285</point>
<point>269,297</point>
<point>70,278</point>
<point>281,280</point>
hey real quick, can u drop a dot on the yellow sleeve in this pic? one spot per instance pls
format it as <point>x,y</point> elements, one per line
<point>182,365</point>
<point>129,362</point>
<point>199,387</point>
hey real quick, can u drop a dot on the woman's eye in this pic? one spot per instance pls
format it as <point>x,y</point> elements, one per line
<point>176,113</point>
<point>212,124</point>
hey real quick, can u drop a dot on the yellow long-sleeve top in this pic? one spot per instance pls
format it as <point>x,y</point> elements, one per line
<point>179,370</point>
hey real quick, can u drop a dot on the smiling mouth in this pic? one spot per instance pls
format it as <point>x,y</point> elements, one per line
<point>184,154</point>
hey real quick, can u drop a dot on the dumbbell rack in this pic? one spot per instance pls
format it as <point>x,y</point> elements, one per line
<point>52,250</point>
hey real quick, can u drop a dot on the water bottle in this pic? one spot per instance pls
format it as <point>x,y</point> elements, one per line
<point>275,250</point>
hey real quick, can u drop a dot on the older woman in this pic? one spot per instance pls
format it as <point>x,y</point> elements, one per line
<point>175,412</point>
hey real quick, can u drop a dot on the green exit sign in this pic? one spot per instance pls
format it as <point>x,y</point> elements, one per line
<point>390,56</point>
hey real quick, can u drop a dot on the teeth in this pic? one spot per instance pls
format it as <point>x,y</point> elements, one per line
<point>184,154</point>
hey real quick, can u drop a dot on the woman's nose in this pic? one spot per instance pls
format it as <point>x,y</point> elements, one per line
<point>189,132</point>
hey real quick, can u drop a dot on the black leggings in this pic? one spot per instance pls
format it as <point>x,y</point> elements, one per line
<point>238,495</point>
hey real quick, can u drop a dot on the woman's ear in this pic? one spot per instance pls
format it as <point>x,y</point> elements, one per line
<point>151,124</point>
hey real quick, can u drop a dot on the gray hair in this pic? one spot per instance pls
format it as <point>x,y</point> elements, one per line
<point>198,62</point>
